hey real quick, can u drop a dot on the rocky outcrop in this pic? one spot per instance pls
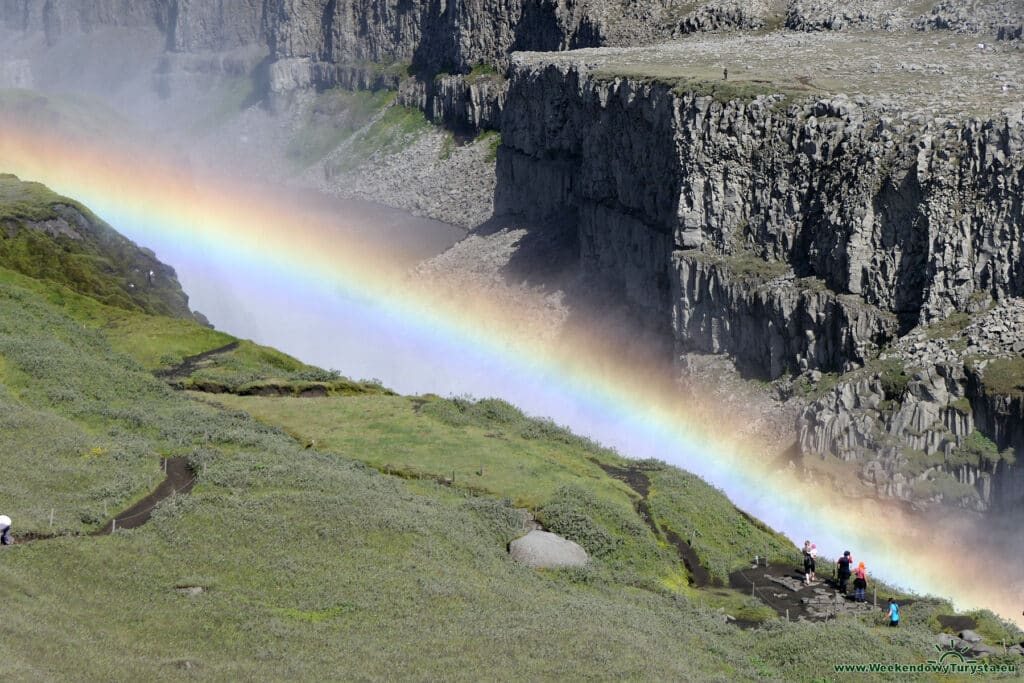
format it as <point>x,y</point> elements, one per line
<point>973,17</point>
<point>725,15</point>
<point>772,326</point>
<point>214,25</point>
<point>940,432</point>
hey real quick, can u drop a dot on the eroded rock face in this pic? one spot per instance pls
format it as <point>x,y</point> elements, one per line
<point>675,192</point>
<point>189,25</point>
<point>906,439</point>
<point>545,550</point>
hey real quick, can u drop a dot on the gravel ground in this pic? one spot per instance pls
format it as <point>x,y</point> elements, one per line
<point>911,74</point>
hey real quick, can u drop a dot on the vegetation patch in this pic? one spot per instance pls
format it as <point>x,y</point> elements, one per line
<point>1004,377</point>
<point>49,237</point>
<point>492,139</point>
<point>949,327</point>
<point>893,377</point>
<point>332,118</point>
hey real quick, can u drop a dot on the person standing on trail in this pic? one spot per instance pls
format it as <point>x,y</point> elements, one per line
<point>843,567</point>
<point>810,552</point>
<point>894,613</point>
<point>5,530</point>
<point>860,583</point>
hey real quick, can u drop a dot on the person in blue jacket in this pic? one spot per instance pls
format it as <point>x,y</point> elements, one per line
<point>894,613</point>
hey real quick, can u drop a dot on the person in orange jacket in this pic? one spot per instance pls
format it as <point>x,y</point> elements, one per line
<point>860,583</point>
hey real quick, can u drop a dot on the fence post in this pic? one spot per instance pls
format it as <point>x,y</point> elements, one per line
<point>113,525</point>
<point>51,516</point>
<point>787,614</point>
<point>165,465</point>
<point>874,593</point>
<point>752,587</point>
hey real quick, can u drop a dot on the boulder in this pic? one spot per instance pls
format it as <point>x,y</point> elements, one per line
<point>970,636</point>
<point>545,550</point>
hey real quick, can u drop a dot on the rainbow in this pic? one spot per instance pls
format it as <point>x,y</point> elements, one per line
<point>626,405</point>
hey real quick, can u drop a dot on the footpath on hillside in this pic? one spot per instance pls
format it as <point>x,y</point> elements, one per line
<point>179,479</point>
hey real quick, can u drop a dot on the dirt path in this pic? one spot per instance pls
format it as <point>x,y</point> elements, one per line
<point>637,480</point>
<point>179,480</point>
<point>190,364</point>
<point>781,587</point>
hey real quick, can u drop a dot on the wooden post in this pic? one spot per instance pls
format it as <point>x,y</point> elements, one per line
<point>481,469</point>
<point>453,476</point>
<point>787,614</point>
<point>874,593</point>
<point>51,516</point>
<point>113,525</point>
<point>753,586</point>
<point>165,465</point>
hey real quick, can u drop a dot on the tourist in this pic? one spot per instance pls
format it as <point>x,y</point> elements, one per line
<point>843,567</point>
<point>860,583</point>
<point>894,613</point>
<point>5,530</point>
<point>810,552</point>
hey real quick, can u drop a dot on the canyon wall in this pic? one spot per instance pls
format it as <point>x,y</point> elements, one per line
<point>852,224</point>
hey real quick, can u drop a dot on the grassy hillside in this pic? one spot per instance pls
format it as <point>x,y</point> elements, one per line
<point>47,236</point>
<point>354,535</point>
<point>312,565</point>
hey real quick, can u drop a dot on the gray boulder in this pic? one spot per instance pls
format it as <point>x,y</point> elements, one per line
<point>545,550</point>
<point>970,636</point>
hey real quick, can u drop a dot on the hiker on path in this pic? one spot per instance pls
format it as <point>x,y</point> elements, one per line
<point>843,567</point>
<point>860,583</point>
<point>810,555</point>
<point>894,613</point>
<point>5,530</point>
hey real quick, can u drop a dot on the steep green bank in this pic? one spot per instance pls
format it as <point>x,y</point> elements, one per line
<point>295,557</point>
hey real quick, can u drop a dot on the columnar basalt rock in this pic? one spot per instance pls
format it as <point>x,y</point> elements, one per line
<point>902,222</point>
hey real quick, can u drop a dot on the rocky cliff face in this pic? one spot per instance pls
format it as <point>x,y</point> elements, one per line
<point>189,25</point>
<point>713,199</point>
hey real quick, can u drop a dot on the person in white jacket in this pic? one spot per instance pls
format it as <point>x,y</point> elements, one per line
<point>5,530</point>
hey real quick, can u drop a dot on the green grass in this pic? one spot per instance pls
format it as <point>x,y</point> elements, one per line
<point>949,326</point>
<point>708,82</point>
<point>894,378</point>
<point>746,265</point>
<point>334,117</point>
<point>394,130</point>
<point>483,70</point>
<point>1004,377</point>
<point>724,538</point>
<point>235,94</point>
<point>47,236</point>
<point>492,139</point>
